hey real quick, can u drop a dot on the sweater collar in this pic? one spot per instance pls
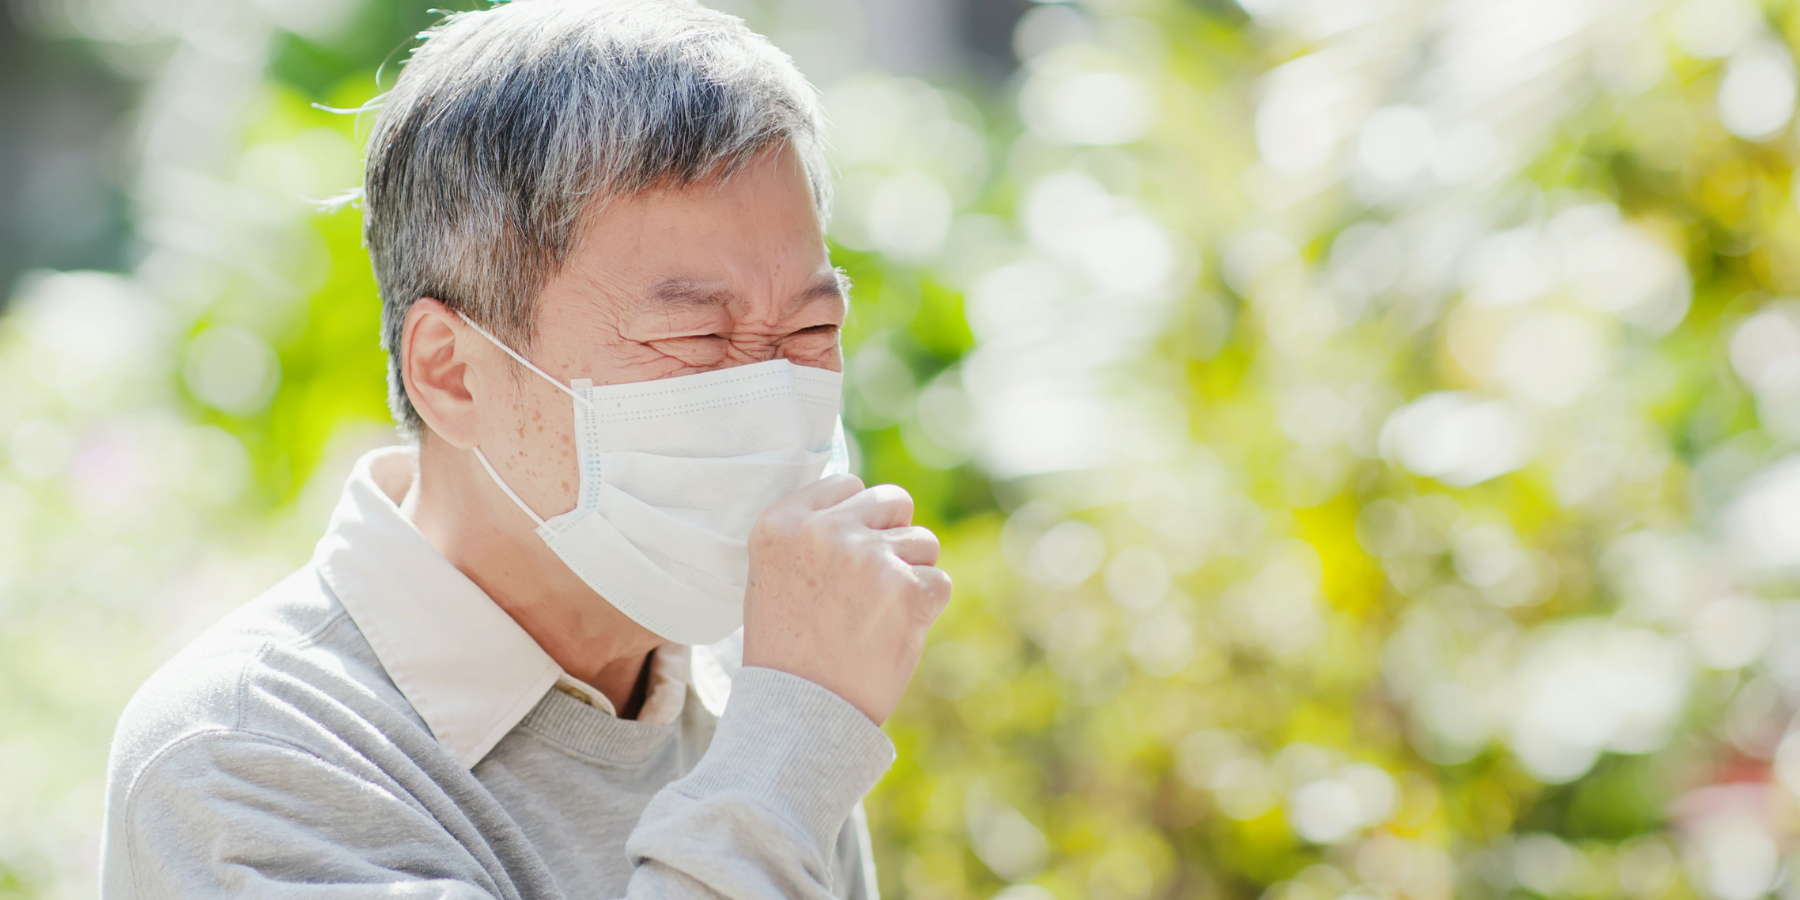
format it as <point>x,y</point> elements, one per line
<point>468,669</point>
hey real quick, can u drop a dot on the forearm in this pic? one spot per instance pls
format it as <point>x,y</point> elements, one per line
<point>762,813</point>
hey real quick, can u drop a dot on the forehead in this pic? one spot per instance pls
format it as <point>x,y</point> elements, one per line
<point>757,223</point>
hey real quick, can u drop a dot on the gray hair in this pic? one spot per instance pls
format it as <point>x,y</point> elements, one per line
<point>510,125</point>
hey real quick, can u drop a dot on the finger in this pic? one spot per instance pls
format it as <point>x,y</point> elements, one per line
<point>882,506</point>
<point>914,544</point>
<point>828,491</point>
<point>934,586</point>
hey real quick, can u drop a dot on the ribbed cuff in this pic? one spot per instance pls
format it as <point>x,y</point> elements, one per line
<point>800,749</point>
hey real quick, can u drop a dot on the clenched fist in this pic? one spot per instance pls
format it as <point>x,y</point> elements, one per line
<point>842,589</point>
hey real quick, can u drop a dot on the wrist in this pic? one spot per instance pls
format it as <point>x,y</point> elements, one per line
<point>800,748</point>
<point>801,665</point>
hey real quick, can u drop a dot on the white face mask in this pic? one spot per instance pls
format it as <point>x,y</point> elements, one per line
<point>674,473</point>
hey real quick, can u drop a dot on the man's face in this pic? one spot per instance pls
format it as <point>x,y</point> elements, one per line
<point>664,284</point>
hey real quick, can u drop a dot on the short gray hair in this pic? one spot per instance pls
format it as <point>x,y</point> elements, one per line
<point>509,125</point>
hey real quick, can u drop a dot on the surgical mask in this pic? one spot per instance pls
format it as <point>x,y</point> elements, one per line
<point>674,473</point>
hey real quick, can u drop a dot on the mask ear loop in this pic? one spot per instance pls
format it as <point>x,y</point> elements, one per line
<point>482,457</point>
<point>522,360</point>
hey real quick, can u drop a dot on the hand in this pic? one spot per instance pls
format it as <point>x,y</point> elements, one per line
<point>842,589</point>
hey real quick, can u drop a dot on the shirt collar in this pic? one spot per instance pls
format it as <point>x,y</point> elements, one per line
<point>468,669</point>
<point>670,671</point>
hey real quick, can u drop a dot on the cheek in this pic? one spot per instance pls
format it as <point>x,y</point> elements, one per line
<point>832,359</point>
<point>544,422</point>
<point>820,352</point>
<point>661,359</point>
<point>536,437</point>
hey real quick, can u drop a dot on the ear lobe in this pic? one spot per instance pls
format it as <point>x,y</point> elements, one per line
<point>434,369</point>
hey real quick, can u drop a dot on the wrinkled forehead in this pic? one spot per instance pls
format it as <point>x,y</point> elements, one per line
<point>748,238</point>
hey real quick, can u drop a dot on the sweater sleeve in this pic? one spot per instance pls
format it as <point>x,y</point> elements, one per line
<point>761,815</point>
<point>856,860</point>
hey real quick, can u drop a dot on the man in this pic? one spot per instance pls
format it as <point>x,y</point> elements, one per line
<point>613,334</point>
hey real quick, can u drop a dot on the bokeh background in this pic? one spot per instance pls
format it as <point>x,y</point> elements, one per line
<point>1365,433</point>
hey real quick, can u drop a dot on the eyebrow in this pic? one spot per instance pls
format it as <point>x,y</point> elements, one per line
<point>692,292</point>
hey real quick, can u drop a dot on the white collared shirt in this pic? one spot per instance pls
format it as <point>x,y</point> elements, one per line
<point>468,669</point>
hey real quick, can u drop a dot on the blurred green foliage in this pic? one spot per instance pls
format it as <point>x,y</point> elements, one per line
<point>1357,433</point>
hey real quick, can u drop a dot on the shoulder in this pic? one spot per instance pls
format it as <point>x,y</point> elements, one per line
<point>276,735</point>
<point>277,667</point>
<point>241,813</point>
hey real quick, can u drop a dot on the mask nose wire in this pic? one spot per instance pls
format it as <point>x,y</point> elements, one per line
<point>482,457</point>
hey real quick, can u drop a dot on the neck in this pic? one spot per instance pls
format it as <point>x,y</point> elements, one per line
<point>468,520</point>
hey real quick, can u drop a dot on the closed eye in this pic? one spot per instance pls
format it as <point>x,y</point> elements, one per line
<point>817,334</point>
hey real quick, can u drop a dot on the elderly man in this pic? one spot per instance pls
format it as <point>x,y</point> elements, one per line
<point>613,335</point>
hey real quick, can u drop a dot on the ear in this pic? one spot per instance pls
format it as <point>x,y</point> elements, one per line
<point>435,367</point>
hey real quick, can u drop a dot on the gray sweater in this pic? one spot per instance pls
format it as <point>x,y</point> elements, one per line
<point>275,757</point>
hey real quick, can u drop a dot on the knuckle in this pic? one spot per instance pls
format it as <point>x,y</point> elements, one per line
<point>925,613</point>
<point>937,587</point>
<point>844,479</point>
<point>774,521</point>
<point>781,526</point>
<point>824,536</point>
<point>846,554</point>
<point>848,548</point>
